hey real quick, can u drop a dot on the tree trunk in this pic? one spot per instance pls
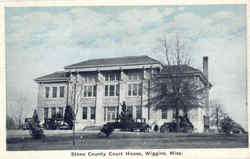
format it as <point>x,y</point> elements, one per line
<point>177,119</point>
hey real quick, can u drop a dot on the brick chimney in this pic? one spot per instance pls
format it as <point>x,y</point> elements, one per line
<point>205,66</point>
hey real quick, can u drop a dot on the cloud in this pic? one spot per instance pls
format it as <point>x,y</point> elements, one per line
<point>50,40</point>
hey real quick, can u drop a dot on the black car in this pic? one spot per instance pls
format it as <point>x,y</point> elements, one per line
<point>185,126</point>
<point>26,123</point>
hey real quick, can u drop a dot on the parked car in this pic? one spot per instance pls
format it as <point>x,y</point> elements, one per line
<point>64,126</point>
<point>168,127</point>
<point>131,125</point>
<point>185,126</point>
<point>26,124</point>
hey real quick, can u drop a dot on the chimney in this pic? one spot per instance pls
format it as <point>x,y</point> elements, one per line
<point>205,66</point>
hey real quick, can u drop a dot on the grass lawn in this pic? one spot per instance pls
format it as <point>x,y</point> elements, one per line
<point>126,140</point>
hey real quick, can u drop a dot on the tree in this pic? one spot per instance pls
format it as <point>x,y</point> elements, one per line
<point>16,106</point>
<point>69,116</point>
<point>10,123</point>
<point>75,96</point>
<point>173,89</point>
<point>34,127</point>
<point>221,120</point>
<point>217,113</point>
<point>125,117</point>
<point>35,117</point>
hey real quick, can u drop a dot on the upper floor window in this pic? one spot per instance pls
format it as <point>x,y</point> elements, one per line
<point>112,90</point>
<point>112,76</point>
<point>54,92</point>
<point>88,78</point>
<point>134,76</point>
<point>47,92</point>
<point>135,89</point>
<point>89,91</point>
<point>62,91</point>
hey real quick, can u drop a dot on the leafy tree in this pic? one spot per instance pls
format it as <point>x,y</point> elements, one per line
<point>173,88</point>
<point>69,116</point>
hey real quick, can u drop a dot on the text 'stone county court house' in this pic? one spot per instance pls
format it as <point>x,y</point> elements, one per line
<point>101,85</point>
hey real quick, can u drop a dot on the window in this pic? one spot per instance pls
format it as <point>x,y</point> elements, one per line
<point>112,90</point>
<point>117,90</point>
<point>112,76</point>
<point>53,112</point>
<point>54,92</point>
<point>62,91</point>
<point>140,89</point>
<point>164,114</point>
<point>92,113</point>
<point>84,113</point>
<point>94,91</point>
<point>106,90</point>
<point>135,89</point>
<point>134,76</point>
<point>130,90</point>
<point>130,111</point>
<point>110,113</point>
<point>60,112</point>
<point>46,113</point>
<point>138,112</point>
<point>47,92</point>
<point>85,91</point>
<point>89,91</point>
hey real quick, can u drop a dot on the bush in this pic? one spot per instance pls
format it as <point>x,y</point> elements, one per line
<point>226,125</point>
<point>34,127</point>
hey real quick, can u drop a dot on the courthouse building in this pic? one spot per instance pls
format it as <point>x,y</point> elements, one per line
<point>98,87</point>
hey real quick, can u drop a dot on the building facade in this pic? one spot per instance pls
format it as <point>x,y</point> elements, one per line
<point>97,88</point>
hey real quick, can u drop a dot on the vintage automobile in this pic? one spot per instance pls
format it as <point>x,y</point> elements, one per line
<point>26,123</point>
<point>55,123</point>
<point>130,125</point>
<point>185,126</point>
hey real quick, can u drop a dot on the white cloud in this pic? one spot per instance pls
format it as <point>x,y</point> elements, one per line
<point>81,33</point>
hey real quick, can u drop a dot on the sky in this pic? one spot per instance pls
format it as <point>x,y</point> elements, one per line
<point>42,40</point>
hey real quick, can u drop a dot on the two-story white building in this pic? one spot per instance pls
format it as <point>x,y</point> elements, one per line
<point>96,89</point>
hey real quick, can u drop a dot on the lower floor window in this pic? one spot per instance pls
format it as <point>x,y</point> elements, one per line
<point>46,113</point>
<point>92,113</point>
<point>84,113</point>
<point>60,113</point>
<point>130,111</point>
<point>164,114</point>
<point>53,112</point>
<point>110,113</point>
<point>138,112</point>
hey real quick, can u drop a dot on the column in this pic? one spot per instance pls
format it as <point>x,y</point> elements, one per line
<point>123,89</point>
<point>99,99</point>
